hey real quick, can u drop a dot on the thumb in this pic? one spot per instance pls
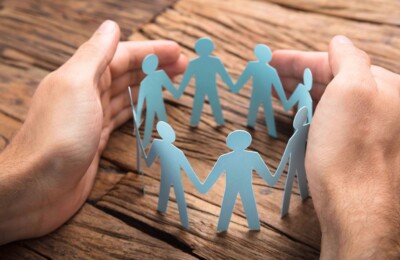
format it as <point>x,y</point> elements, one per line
<point>347,60</point>
<point>94,55</point>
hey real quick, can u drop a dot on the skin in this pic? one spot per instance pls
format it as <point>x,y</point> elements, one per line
<point>49,168</point>
<point>353,150</point>
<point>352,159</point>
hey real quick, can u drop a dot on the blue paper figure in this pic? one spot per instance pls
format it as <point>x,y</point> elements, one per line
<point>264,77</point>
<point>238,166</point>
<point>295,154</point>
<point>151,92</point>
<point>172,160</point>
<point>205,69</point>
<point>302,95</point>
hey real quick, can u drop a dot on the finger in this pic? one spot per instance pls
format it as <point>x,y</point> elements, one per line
<point>129,55</point>
<point>119,103</point>
<point>95,55</point>
<point>121,118</point>
<point>349,61</point>
<point>290,63</point>
<point>390,78</point>
<point>133,78</point>
<point>290,84</point>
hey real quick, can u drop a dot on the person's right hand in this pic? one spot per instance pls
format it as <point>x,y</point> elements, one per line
<point>353,151</point>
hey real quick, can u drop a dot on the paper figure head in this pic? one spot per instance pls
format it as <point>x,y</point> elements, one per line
<point>204,46</point>
<point>166,132</point>
<point>150,63</point>
<point>263,53</point>
<point>238,140</point>
<point>300,118</point>
<point>307,78</point>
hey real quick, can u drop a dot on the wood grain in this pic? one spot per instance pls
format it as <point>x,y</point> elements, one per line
<point>92,234</point>
<point>374,11</point>
<point>119,221</point>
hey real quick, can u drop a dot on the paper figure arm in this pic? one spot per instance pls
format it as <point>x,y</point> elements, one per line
<point>225,75</point>
<point>153,154</point>
<point>294,98</point>
<point>140,103</point>
<point>214,175</point>
<point>262,169</point>
<point>279,88</point>
<point>190,172</point>
<point>242,79</point>
<point>282,164</point>
<point>167,83</point>
<point>187,76</point>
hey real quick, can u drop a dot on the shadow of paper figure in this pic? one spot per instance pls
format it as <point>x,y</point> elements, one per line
<point>151,92</point>
<point>205,69</point>
<point>302,95</point>
<point>294,154</point>
<point>238,166</point>
<point>172,160</point>
<point>264,77</point>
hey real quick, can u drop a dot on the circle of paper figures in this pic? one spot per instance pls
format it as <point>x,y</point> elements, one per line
<point>205,69</point>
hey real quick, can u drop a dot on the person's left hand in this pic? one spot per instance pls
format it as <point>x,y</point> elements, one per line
<point>51,164</point>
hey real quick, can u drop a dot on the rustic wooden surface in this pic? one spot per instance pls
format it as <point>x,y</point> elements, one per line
<point>118,221</point>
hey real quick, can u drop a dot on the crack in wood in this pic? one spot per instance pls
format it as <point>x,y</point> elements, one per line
<point>132,222</point>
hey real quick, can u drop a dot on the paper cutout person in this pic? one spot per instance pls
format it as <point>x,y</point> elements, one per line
<point>302,95</point>
<point>238,166</point>
<point>295,154</point>
<point>151,92</point>
<point>205,69</point>
<point>172,160</point>
<point>264,77</point>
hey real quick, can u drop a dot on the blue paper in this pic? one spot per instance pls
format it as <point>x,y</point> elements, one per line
<point>151,91</point>
<point>302,95</point>
<point>294,154</point>
<point>238,166</point>
<point>172,160</point>
<point>264,77</point>
<point>205,69</point>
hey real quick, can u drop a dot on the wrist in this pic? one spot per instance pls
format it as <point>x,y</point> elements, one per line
<point>360,220</point>
<point>21,201</point>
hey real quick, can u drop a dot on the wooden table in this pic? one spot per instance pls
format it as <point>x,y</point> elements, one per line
<point>118,221</point>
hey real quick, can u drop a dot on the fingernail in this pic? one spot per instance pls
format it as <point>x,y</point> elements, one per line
<point>343,39</point>
<point>106,27</point>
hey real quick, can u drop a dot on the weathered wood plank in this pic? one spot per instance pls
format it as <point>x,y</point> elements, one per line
<point>50,31</point>
<point>236,28</point>
<point>94,234</point>
<point>126,199</point>
<point>375,11</point>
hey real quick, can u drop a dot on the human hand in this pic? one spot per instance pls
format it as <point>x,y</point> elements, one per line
<point>50,166</point>
<point>353,151</point>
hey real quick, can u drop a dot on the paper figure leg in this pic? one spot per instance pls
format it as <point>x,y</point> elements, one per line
<point>180,200</point>
<point>288,191</point>
<point>216,108</point>
<point>270,118</point>
<point>302,179</point>
<point>250,208</point>
<point>197,109</point>
<point>148,128</point>
<point>163,197</point>
<point>162,115</point>
<point>253,112</point>
<point>228,203</point>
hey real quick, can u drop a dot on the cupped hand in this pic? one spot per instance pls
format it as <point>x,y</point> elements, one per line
<point>353,150</point>
<point>54,157</point>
